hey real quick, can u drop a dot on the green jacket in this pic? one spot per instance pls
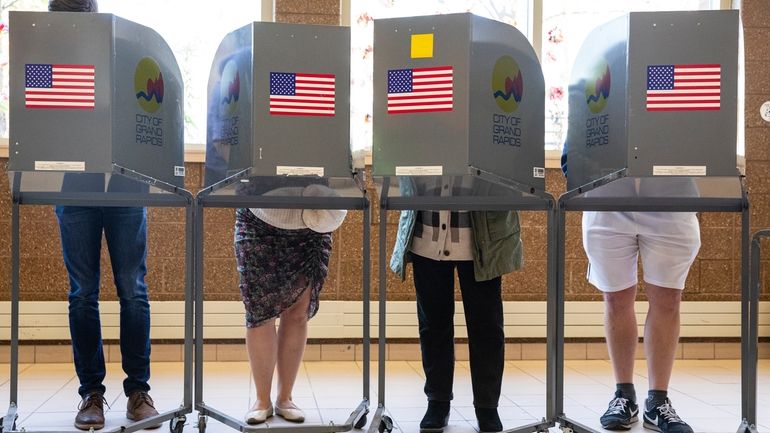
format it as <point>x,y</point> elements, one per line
<point>497,243</point>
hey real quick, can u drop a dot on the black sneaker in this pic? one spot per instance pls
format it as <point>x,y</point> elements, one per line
<point>620,414</point>
<point>664,419</point>
<point>436,417</point>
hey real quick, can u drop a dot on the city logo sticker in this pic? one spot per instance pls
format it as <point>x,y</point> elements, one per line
<point>507,84</point>
<point>229,89</point>
<point>148,85</point>
<point>598,88</point>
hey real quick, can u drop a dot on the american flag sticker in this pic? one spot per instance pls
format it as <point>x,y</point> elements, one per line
<point>420,90</point>
<point>683,87</point>
<point>294,94</point>
<point>59,86</point>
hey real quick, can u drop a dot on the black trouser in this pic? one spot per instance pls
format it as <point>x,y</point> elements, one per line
<point>482,301</point>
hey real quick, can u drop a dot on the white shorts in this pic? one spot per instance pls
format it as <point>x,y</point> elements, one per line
<point>668,243</point>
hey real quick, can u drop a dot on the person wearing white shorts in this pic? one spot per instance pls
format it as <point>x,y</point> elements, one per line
<point>667,243</point>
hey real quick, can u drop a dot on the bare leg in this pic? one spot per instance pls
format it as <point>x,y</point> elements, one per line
<point>292,338</point>
<point>261,343</point>
<point>621,331</point>
<point>661,334</point>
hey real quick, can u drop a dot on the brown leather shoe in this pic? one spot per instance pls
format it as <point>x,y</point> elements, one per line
<point>140,406</point>
<point>91,412</point>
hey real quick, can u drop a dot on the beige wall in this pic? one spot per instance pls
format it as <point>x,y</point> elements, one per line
<point>714,277</point>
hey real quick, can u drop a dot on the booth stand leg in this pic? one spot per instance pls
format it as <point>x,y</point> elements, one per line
<point>380,422</point>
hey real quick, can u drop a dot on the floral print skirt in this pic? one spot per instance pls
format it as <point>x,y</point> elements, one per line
<point>271,262</point>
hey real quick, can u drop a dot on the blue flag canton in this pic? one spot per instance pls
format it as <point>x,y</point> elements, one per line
<point>660,77</point>
<point>38,76</point>
<point>282,83</point>
<point>399,81</point>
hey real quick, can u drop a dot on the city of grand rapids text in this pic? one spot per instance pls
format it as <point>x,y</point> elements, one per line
<point>506,130</point>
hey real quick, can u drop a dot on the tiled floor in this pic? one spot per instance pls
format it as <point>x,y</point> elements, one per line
<point>705,393</point>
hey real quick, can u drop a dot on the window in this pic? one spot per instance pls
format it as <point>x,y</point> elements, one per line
<point>362,14</point>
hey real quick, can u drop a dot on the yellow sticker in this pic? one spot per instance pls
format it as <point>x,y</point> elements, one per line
<point>422,46</point>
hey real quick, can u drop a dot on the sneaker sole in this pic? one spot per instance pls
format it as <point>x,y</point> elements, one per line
<point>619,425</point>
<point>432,430</point>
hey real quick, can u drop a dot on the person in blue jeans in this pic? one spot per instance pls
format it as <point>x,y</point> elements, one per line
<point>125,229</point>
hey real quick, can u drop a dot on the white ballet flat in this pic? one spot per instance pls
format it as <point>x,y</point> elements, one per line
<point>258,416</point>
<point>292,414</point>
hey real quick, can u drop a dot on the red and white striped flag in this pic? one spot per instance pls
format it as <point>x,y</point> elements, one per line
<point>420,90</point>
<point>59,86</point>
<point>302,94</point>
<point>683,87</point>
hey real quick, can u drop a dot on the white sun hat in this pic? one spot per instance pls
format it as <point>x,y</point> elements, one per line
<point>287,219</point>
<point>322,220</point>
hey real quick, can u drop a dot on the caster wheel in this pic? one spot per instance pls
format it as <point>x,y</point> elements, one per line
<point>176,425</point>
<point>386,425</point>
<point>361,421</point>
<point>202,423</point>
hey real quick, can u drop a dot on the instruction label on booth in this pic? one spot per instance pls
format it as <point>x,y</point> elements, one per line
<point>60,165</point>
<point>419,170</point>
<point>288,170</point>
<point>678,170</point>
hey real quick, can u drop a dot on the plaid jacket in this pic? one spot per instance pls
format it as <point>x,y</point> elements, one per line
<point>497,248</point>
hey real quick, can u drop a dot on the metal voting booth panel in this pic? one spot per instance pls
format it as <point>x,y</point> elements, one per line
<point>96,103</point>
<point>454,95</point>
<point>278,110</point>
<point>458,99</point>
<point>653,127</point>
<point>654,95</point>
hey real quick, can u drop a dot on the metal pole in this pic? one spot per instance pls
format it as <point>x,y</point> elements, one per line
<point>367,293</point>
<point>383,290</point>
<point>750,341</point>
<point>198,288</point>
<point>552,309</point>
<point>15,264</point>
<point>189,317</point>
<point>558,306</point>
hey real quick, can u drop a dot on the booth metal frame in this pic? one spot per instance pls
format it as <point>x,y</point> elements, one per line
<point>174,197</point>
<point>537,201</point>
<point>205,199</point>
<point>749,408</point>
<point>572,201</point>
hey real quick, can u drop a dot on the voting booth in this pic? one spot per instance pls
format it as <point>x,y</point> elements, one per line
<point>96,103</point>
<point>279,118</point>
<point>94,93</point>
<point>458,125</point>
<point>654,95</point>
<point>278,103</point>
<point>653,121</point>
<point>455,95</point>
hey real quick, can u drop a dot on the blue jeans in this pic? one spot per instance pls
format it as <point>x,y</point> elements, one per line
<point>125,229</point>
